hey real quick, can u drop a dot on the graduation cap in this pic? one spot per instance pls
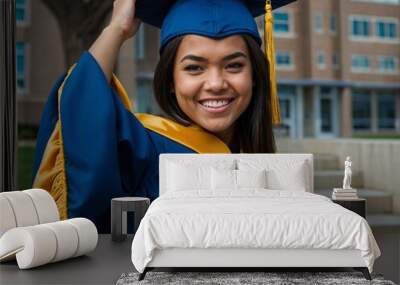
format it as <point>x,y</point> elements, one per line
<point>215,19</point>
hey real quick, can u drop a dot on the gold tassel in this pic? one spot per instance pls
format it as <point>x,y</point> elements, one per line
<point>270,53</point>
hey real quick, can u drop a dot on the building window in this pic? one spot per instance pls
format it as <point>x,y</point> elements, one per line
<point>360,27</point>
<point>318,24</point>
<point>390,2</point>
<point>140,43</point>
<point>332,24</point>
<point>321,60</point>
<point>284,60</point>
<point>284,106</point>
<point>386,111</point>
<point>388,64</point>
<point>361,105</point>
<point>386,29</point>
<point>287,96</point>
<point>21,67</point>
<point>281,22</point>
<point>335,62</point>
<point>21,11</point>
<point>360,63</point>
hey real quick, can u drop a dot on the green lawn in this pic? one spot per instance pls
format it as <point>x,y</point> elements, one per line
<point>25,159</point>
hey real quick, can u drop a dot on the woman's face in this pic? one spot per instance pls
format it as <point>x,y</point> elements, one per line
<point>213,81</point>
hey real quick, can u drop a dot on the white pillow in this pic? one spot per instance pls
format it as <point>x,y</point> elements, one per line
<point>282,174</point>
<point>251,178</point>
<point>237,179</point>
<point>186,175</point>
<point>293,179</point>
<point>223,179</point>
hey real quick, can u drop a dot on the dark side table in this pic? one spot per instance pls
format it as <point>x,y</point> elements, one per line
<point>119,208</point>
<point>358,206</point>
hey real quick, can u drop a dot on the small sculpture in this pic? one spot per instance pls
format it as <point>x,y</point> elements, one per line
<point>347,174</point>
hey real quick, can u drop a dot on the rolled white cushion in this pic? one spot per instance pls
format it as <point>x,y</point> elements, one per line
<point>23,208</point>
<point>45,205</point>
<point>33,246</point>
<point>67,239</point>
<point>87,235</point>
<point>7,218</point>
<point>40,244</point>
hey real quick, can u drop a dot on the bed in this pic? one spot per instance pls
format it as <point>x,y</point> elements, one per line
<point>245,211</point>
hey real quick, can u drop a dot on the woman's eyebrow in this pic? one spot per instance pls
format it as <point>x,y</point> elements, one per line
<point>226,58</point>
<point>234,55</point>
<point>193,57</point>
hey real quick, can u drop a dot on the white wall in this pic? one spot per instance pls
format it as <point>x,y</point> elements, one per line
<point>378,160</point>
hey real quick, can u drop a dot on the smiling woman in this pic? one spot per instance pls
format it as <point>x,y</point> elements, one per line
<point>212,81</point>
<point>219,84</point>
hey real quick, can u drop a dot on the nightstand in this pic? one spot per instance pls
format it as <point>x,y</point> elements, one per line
<point>358,206</point>
<point>119,209</point>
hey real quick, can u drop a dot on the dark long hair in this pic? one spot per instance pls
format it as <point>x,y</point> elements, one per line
<point>253,129</point>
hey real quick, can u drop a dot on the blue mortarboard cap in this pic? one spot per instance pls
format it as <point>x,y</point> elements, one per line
<point>211,18</point>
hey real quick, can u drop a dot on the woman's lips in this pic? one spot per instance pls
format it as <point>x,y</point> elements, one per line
<point>220,109</point>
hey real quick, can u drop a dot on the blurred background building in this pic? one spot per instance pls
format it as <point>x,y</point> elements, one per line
<point>338,82</point>
<point>337,63</point>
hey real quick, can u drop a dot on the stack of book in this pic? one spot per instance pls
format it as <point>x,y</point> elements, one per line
<point>344,194</point>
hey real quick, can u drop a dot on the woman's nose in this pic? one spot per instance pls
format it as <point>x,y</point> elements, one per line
<point>215,81</point>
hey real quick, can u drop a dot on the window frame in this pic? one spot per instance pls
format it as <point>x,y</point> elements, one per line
<point>385,2</point>
<point>318,63</point>
<point>386,71</point>
<point>360,18</point>
<point>335,65</point>
<point>364,96</point>
<point>318,19</point>
<point>387,20</point>
<point>372,37</point>
<point>355,69</point>
<point>290,33</point>
<point>26,73</point>
<point>290,66</point>
<point>333,17</point>
<point>27,20</point>
<point>381,98</point>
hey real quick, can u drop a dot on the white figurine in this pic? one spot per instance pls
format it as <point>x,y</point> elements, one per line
<point>347,174</point>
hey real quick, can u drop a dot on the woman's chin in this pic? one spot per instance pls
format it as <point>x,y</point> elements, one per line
<point>217,128</point>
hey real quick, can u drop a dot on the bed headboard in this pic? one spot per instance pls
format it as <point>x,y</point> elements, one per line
<point>267,159</point>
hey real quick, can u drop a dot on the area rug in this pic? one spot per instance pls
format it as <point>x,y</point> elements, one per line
<point>242,278</point>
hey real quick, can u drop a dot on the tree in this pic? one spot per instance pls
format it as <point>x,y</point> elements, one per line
<point>80,22</point>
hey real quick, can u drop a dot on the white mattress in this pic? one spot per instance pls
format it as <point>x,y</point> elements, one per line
<point>252,218</point>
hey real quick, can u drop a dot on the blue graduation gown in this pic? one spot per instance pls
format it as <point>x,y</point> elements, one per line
<point>92,148</point>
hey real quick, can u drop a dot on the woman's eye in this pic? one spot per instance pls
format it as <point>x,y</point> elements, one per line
<point>235,65</point>
<point>193,68</point>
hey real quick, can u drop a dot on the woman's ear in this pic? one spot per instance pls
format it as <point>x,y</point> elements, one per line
<point>172,89</point>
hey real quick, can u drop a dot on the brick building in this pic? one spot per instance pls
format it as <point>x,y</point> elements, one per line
<point>337,63</point>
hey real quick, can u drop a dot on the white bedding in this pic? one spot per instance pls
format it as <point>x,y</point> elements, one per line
<point>250,218</point>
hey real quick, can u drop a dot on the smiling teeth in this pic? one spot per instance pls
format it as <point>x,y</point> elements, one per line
<point>215,103</point>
